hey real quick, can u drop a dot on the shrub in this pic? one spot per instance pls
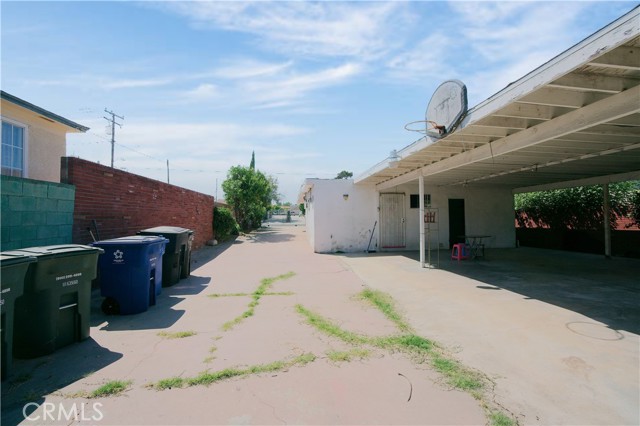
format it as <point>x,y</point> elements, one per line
<point>224,225</point>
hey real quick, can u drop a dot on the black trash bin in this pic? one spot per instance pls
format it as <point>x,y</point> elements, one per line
<point>14,271</point>
<point>176,262</point>
<point>55,308</point>
<point>186,265</point>
<point>130,273</point>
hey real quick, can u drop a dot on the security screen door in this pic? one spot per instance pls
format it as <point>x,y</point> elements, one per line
<point>392,221</point>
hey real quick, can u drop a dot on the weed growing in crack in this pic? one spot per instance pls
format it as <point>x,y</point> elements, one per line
<point>327,327</point>
<point>265,284</point>
<point>207,378</point>
<point>421,349</point>
<point>384,302</point>
<point>112,388</point>
<point>279,293</point>
<point>350,355</point>
<point>177,335</point>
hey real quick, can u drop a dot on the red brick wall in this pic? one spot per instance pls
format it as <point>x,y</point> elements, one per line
<point>123,203</point>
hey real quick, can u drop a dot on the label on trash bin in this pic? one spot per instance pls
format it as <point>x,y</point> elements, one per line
<point>69,279</point>
<point>118,256</point>
<point>4,290</point>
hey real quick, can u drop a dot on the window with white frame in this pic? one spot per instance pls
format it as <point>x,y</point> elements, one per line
<point>13,149</point>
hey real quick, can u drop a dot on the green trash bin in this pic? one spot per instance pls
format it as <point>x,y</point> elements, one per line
<point>55,308</point>
<point>176,262</point>
<point>12,276</point>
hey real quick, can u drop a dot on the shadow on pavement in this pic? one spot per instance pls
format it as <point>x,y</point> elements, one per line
<point>605,290</point>
<point>206,254</point>
<point>159,316</point>
<point>187,286</point>
<point>31,379</point>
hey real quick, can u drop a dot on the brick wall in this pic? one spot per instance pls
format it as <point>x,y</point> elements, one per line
<point>35,213</point>
<point>123,203</point>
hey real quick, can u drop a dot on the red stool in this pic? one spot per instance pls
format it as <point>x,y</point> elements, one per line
<point>459,251</point>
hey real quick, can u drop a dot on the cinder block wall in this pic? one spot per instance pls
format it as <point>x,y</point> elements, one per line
<point>123,203</point>
<point>35,213</point>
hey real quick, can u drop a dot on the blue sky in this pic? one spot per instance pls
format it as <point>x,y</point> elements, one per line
<point>312,87</point>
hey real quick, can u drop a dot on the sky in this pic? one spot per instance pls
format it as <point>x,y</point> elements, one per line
<point>313,88</point>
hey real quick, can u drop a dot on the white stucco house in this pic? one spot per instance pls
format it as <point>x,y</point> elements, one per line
<point>573,121</point>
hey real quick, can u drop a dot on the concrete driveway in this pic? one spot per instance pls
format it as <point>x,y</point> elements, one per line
<point>279,369</point>
<point>557,331</point>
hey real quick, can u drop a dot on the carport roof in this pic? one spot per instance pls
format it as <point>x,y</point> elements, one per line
<point>573,121</point>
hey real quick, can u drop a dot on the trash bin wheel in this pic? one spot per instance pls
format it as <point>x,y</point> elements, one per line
<point>110,306</point>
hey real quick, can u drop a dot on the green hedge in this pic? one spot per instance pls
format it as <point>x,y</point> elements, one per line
<point>224,225</point>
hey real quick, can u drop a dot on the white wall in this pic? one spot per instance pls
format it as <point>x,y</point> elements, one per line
<point>338,224</point>
<point>488,211</point>
<point>335,224</point>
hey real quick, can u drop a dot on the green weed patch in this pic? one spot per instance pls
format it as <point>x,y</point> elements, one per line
<point>112,388</point>
<point>265,284</point>
<point>207,378</point>
<point>177,335</point>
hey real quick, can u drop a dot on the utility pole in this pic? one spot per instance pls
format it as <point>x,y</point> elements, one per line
<point>113,122</point>
<point>168,170</point>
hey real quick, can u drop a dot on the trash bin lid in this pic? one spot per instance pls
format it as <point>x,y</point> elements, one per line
<point>166,230</point>
<point>62,250</point>
<point>133,239</point>
<point>10,259</point>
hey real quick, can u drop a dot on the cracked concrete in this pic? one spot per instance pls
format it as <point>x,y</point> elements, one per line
<point>368,391</point>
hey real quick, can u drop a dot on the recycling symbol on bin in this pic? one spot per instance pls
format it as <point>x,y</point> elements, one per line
<point>117,255</point>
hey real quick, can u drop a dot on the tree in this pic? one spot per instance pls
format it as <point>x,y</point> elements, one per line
<point>577,208</point>
<point>249,192</point>
<point>252,165</point>
<point>344,175</point>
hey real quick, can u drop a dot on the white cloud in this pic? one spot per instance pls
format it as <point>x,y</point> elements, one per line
<point>203,92</point>
<point>284,91</point>
<point>110,84</point>
<point>427,60</point>
<point>248,68</point>
<point>359,29</point>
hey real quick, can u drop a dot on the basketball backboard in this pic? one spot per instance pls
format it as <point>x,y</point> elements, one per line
<point>446,108</point>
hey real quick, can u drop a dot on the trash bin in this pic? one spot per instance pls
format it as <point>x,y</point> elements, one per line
<point>55,308</point>
<point>12,277</point>
<point>130,273</point>
<point>186,265</point>
<point>176,263</point>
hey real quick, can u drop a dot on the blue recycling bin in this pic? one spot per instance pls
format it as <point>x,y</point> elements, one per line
<point>130,273</point>
<point>12,278</point>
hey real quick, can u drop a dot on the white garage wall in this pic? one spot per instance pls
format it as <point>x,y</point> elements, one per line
<point>334,223</point>
<point>337,224</point>
<point>488,211</point>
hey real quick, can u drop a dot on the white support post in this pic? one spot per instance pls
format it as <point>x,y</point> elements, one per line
<point>421,218</point>
<point>607,221</point>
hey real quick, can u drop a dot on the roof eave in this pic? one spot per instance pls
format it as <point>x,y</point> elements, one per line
<point>75,127</point>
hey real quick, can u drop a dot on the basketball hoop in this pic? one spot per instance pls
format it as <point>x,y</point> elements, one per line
<point>446,109</point>
<point>429,126</point>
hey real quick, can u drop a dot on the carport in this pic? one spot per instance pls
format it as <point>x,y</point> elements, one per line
<point>573,121</point>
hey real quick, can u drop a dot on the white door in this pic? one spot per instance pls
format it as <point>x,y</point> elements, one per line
<point>392,230</point>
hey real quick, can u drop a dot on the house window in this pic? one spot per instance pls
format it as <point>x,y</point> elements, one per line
<point>414,200</point>
<point>12,149</point>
